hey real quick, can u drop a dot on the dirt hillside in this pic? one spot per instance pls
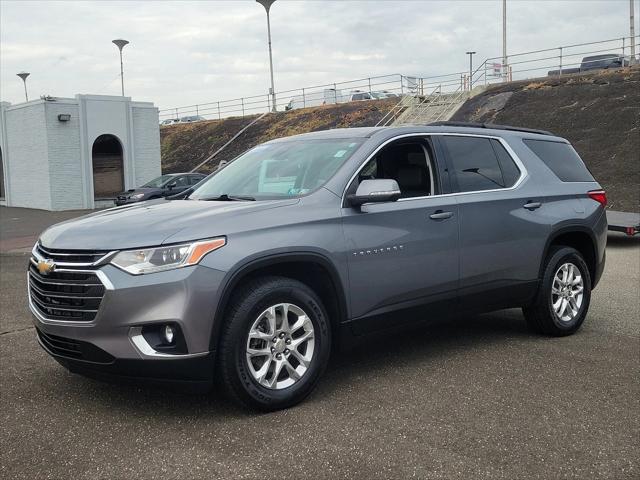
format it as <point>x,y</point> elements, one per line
<point>598,113</point>
<point>185,145</point>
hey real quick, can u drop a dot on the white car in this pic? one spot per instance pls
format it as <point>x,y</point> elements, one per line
<point>192,118</point>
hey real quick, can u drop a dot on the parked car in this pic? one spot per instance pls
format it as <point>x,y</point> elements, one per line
<point>162,186</point>
<point>596,62</point>
<point>169,121</point>
<point>383,94</point>
<point>357,95</point>
<point>191,118</point>
<point>328,96</point>
<point>312,241</point>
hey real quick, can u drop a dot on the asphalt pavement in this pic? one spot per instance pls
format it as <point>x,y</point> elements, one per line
<point>475,398</point>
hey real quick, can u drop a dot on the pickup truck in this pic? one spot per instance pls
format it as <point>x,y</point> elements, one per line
<point>595,62</point>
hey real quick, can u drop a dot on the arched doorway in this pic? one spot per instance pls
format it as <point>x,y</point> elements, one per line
<point>108,167</point>
<point>1,177</point>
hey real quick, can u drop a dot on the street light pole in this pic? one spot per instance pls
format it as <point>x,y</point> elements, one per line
<point>504,39</point>
<point>23,76</point>
<point>471,54</point>
<point>632,34</point>
<point>120,44</point>
<point>267,5</point>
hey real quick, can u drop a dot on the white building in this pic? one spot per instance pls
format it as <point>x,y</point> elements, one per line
<point>74,153</point>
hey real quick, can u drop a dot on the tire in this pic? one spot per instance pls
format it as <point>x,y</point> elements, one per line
<point>250,311</point>
<point>541,315</point>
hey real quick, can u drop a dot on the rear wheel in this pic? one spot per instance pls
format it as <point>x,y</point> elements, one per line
<point>275,344</point>
<point>564,295</point>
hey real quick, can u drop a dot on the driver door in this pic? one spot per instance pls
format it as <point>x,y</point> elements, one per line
<point>402,255</point>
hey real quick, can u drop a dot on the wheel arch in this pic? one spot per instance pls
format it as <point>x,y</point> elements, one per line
<point>579,237</point>
<point>311,268</point>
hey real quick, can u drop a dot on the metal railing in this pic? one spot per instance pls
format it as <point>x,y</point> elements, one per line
<point>331,93</point>
<point>556,61</point>
<point>519,66</point>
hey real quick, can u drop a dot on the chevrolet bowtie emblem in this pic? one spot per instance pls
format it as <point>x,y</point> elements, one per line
<point>45,267</point>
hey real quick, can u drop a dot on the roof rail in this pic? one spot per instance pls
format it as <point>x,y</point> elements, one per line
<point>489,125</point>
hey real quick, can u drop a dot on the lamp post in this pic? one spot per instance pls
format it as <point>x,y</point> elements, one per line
<point>267,5</point>
<point>23,76</point>
<point>504,40</point>
<point>632,34</point>
<point>120,44</point>
<point>471,54</point>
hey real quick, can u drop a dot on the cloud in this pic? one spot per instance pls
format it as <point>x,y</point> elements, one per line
<point>187,52</point>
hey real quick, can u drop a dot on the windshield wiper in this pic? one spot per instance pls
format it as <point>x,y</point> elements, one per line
<point>229,198</point>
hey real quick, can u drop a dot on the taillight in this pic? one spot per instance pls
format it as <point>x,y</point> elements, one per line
<point>599,196</point>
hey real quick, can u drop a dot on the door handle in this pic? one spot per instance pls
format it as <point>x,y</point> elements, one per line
<point>440,215</point>
<point>532,205</point>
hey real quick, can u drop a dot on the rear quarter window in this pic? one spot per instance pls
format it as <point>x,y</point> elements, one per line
<point>562,159</point>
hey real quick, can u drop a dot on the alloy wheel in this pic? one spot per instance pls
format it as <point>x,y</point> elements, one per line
<point>567,292</point>
<point>280,346</point>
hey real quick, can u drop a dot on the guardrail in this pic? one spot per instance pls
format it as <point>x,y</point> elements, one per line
<point>519,66</point>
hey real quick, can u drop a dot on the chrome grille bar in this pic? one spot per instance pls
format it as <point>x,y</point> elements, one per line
<point>72,292</point>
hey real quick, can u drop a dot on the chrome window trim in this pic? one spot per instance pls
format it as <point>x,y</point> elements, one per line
<point>523,171</point>
<point>146,350</point>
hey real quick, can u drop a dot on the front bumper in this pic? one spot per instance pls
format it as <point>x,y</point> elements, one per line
<point>193,373</point>
<point>110,344</point>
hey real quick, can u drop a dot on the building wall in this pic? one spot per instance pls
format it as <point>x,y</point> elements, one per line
<point>26,144</point>
<point>146,143</point>
<point>105,115</point>
<point>63,139</point>
<point>48,163</point>
<point>3,150</point>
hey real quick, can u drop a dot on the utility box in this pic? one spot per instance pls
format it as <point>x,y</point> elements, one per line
<point>76,153</point>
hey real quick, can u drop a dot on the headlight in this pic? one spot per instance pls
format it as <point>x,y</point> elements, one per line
<point>136,196</point>
<point>157,259</point>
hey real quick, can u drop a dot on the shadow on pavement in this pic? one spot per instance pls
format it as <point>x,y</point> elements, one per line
<point>414,345</point>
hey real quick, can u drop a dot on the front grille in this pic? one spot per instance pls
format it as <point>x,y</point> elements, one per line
<point>70,256</point>
<point>71,292</point>
<point>75,349</point>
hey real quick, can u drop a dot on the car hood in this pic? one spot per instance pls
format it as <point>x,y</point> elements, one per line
<point>153,222</point>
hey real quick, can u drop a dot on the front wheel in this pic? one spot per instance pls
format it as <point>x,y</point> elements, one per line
<point>564,294</point>
<point>275,343</point>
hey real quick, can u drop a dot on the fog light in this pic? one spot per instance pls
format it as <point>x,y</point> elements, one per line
<point>168,334</point>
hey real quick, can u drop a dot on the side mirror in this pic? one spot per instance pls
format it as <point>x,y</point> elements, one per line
<point>171,186</point>
<point>375,191</point>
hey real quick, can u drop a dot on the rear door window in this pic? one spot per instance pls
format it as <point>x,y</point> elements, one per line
<point>473,163</point>
<point>562,159</point>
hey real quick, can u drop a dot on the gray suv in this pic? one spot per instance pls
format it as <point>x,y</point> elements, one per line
<point>309,242</point>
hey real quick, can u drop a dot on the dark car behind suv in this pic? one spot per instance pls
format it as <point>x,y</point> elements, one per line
<point>312,241</point>
<point>162,186</point>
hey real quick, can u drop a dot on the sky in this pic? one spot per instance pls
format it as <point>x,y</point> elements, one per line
<point>187,52</point>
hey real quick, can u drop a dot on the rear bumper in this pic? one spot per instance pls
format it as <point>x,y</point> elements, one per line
<point>125,201</point>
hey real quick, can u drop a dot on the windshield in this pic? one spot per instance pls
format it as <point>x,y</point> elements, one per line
<point>158,182</point>
<point>279,170</point>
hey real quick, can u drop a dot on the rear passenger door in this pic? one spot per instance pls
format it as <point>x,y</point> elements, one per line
<point>501,229</point>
